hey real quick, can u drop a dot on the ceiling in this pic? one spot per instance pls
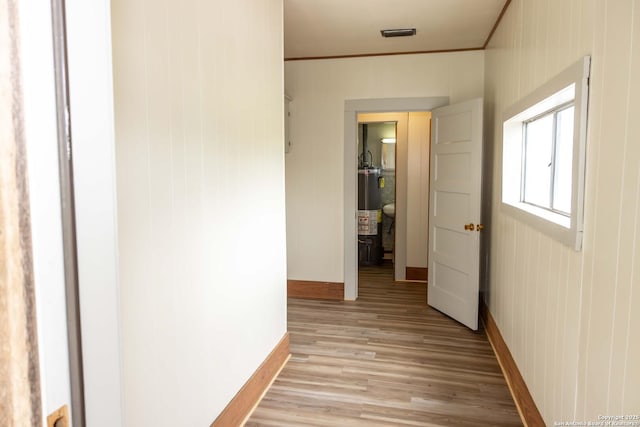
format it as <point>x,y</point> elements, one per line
<point>335,28</point>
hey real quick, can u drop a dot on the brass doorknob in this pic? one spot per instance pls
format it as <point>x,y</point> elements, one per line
<point>480,227</point>
<point>469,227</point>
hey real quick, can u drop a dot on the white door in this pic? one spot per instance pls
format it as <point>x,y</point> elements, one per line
<point>454,211</point>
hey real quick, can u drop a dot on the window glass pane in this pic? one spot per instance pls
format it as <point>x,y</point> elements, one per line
<point>537,167</point>
<point>564,156</point>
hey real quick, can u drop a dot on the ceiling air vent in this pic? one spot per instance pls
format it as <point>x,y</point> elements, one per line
<point>400,32</point>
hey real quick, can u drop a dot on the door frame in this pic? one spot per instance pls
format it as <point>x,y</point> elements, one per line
<point>401,120</point>
<point>67,204</point>
<point>351,109</point>
<point>90,65</point>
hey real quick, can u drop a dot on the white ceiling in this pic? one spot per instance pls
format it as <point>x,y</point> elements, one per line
<point>321,28</point>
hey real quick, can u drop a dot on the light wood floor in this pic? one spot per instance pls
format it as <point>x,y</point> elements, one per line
<point>384,360</point>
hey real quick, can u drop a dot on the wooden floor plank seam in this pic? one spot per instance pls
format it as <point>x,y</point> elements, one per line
<point>386,359</point>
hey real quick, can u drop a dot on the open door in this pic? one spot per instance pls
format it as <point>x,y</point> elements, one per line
<point>454,211</point>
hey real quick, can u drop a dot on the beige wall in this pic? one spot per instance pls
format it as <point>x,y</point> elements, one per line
<point>571,319</point>
<point>418,189</point>
<point>314,167</point>
<point>200,174</point>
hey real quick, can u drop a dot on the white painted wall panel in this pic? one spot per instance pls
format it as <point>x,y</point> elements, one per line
<point>314,167</point>
<point>571,318</point>
<point>200,175</point>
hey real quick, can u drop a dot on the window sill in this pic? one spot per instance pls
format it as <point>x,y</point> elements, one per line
<point>543,214</point>
<point>554,225</point>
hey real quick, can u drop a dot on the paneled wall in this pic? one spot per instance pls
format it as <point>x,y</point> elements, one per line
<point>201,213</point>
<point>572,319</point>
<point>314,167</point>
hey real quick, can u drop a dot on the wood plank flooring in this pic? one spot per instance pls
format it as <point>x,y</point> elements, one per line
<point>384,360</point>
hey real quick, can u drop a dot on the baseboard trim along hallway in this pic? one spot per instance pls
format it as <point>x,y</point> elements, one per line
<point>249,396</point>
<point>521,395</point>
<point>416,273</point>
<point>315,290</point>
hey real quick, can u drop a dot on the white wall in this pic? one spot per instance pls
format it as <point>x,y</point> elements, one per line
<point>36,46</point>
<point>314,167</point>
<point>571,319</point>
<point>201,213</point>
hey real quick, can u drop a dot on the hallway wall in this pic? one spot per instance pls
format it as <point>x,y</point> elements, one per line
<point>201,214</point>
<point>571,319</point>
<point>314,166</point>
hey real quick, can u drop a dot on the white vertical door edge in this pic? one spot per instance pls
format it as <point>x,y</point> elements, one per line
<point>92,129</point>
<point>35,38</point>
<point>350,205</point>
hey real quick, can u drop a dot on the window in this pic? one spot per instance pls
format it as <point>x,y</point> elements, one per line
<point>543,154</point>
<point>546,180</point>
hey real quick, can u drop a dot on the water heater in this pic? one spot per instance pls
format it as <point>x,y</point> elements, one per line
<point>370,250</point>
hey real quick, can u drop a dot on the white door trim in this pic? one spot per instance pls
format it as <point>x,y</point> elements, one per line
<point>351,109</point>
<point>92,127</point>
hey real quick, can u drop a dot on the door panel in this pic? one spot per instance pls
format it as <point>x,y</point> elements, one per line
<point>447,244</point>
<point>454,167</point>
<point>454,251</point>
<point>455,128</point>
<point>451,208</point>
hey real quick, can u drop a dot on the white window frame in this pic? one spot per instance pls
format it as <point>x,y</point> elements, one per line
<point>572,84</point>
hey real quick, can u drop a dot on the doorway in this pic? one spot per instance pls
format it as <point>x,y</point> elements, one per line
<point>352,110</point>
<point>387,140</point>
<point>377,178</point>
<point>376,193</point>
<point>455,199</point>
